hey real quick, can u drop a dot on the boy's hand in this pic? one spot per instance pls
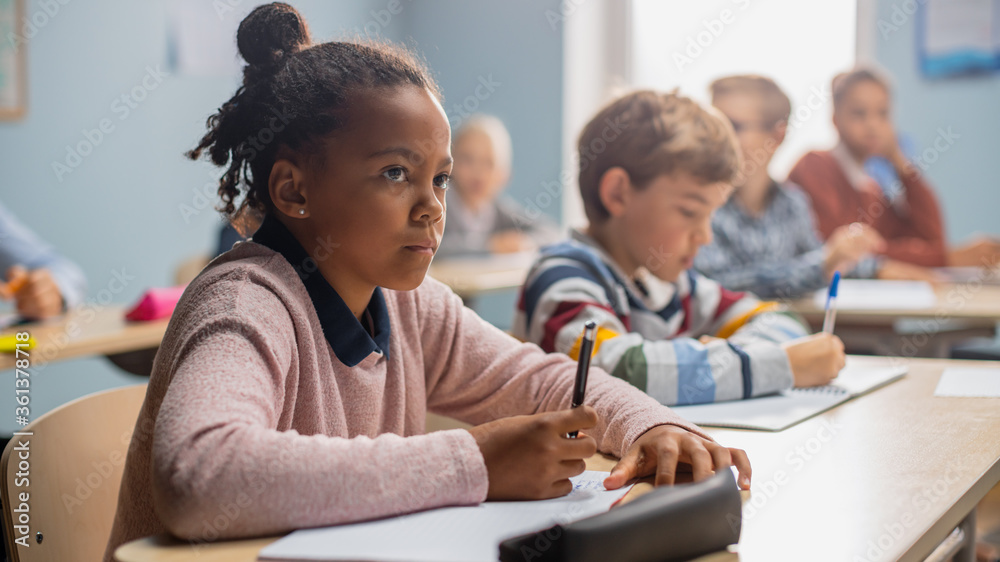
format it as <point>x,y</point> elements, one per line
<point>530,457</point>
<point>903,271</point>
<point>981,252</point>
<point>815,359</point>
<point>509,242</point>
<point>848,244</point>
<point>36,293</point>
<point>662,448</point>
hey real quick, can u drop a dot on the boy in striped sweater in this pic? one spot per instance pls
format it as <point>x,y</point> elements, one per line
<point>653,168</point>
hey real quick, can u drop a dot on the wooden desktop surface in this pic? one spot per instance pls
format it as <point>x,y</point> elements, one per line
<point>473,276</point>
<point>971,303</point>
<point>84,332</point>
<point>895,470</point>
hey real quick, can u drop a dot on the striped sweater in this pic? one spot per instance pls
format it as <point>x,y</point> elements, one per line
<point>648,328</point>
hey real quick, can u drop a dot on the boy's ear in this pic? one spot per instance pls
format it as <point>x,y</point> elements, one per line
<point>615,190</point>
<point>286,186</point>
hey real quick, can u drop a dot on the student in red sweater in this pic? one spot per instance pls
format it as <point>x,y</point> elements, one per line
<point>842,193</point>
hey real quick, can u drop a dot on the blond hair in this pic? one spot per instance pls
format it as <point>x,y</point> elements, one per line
<point>495,130</point>
<point>776,106</point>
<point>650,134</point>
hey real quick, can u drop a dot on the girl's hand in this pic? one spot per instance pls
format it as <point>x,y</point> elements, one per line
<point>530,457</point>
<point>662,448</point>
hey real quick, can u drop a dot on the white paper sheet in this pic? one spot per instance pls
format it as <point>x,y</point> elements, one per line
<point>451,534</point>
<point>868,294</point>
<point>969,383</point>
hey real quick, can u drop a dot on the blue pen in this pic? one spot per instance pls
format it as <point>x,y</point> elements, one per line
<point>831,304</point>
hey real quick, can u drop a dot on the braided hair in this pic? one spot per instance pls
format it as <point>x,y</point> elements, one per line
<point>294,93</point>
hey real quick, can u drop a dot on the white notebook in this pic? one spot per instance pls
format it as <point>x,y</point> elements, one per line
<point>874,294</point>
<point>449,534</point>
<point>780,411</point>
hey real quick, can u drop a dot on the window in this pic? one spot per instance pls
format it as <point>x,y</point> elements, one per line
<point>800,45</point>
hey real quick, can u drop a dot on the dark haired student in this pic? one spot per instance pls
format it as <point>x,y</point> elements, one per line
<point>292,384</point>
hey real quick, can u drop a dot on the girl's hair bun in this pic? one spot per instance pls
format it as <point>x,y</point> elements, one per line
<point>269,33</point>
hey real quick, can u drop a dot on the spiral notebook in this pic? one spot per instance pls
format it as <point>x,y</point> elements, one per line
<point>785,409</point>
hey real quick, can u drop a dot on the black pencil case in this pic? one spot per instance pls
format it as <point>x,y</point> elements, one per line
<point>669,523</point>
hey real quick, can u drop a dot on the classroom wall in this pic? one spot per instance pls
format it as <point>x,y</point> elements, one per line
<point>967,174</point>
<point>135,207</point>
<point>126,208</point>
<point>506,59</point>
<point>503,58</point>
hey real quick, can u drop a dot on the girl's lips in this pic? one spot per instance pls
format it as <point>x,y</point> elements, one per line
<point>427,250</point>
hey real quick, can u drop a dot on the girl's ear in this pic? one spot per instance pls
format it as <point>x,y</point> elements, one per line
<point>615,190</point>
<point>286,186</point>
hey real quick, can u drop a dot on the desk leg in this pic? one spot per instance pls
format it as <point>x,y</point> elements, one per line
<point>968,552</point>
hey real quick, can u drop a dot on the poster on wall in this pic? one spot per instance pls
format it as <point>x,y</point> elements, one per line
<point>13,53</point>
<point>959,37</point>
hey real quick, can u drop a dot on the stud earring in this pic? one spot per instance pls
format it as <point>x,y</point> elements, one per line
<point>302,211</point>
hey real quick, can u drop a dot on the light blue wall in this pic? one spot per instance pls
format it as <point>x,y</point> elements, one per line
<point>120,208</point>
<point>967,176</point>
<point>511,45</point>
<point>512,42</point>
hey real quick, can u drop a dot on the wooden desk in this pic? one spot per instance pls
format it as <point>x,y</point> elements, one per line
<point>85,332</point>
<point>897,469</point>
<point>963,311</point>
<point>470,277</point>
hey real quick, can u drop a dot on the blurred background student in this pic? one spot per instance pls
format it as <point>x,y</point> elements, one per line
<point>480,220</point>
<point>41,282</point>
<point>842,192</point>
<point>764,237</point>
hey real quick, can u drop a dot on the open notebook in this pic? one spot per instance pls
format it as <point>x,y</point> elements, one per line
<point>780,411</point>
<point>448,534</point>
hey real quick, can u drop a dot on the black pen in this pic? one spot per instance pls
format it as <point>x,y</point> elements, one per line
<point>583,365</point>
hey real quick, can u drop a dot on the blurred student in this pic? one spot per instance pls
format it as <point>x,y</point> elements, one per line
<point>41,282</point>
<point>480,220</point>
<point>764,236</point>
<point>843,193</point>
<point>649,197</point>
<point>298,369</point>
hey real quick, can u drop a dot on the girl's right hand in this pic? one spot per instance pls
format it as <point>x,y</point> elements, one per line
<point>530,457</point>
<point>815,359</point>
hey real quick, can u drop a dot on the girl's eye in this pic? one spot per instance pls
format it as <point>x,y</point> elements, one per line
<point>441,181</point>
<point>686,213</point>
<point>395,175</point>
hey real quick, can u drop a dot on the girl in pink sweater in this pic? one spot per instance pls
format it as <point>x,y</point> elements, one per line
<point>292,385</point>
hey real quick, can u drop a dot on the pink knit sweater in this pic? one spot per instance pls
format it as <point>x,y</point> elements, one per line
<point>252,426</point>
